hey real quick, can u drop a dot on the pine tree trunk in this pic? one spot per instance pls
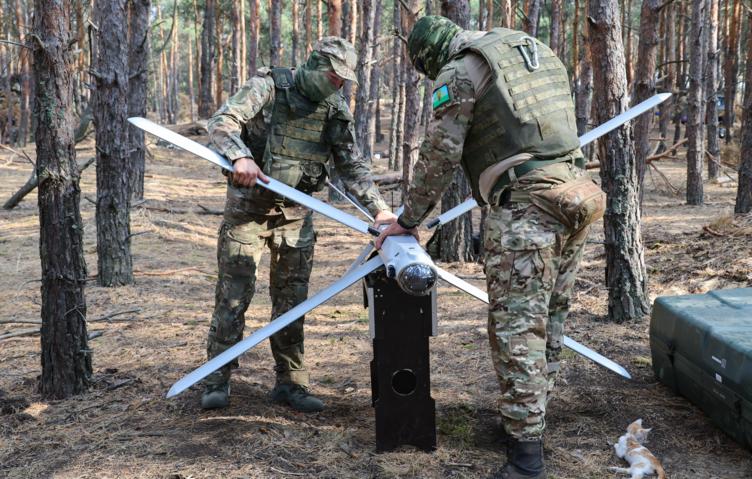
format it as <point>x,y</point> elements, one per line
<point>138,60</point>
<point>711,90</point>
<point>365,54</point>
<point>626,276</point>
<point>191,90</point>
<point>255,14</point>
<point>490,16</point>
<point>398,88</point>
<point>744,193</point>
<point>309,26</point>
<point>584,88</point>
<point>319,20</point>
<point>334,14</point>
<point>275,33</point>
<point>295,53</point>
<point>556,16</point>
<point>236,57</point>
<point>530,23</point>
<point>114,267</point>
<point>219,67</point>
<point>23,126</point>
<point>628,31</point>
<point>65,355</point>
<point>645,81</point>
<point>696,106</point>
<point>671,59</point>
<point>373,95</point>
<point>243,43</point>
<point>412,98</point>
<point>456,237</point>
<point>208,49</point>
<point>731,68</point>
<point>507,14</point>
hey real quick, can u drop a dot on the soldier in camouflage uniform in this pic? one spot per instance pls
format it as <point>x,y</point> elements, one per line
<point>285,123</point>
<point>502,110</point>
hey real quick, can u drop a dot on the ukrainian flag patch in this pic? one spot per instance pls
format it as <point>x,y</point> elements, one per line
<point>441,96</point>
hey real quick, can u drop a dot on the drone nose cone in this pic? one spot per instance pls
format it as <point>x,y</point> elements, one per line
<point>417,279</point>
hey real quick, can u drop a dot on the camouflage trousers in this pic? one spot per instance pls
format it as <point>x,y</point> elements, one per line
<point>242,239</point>
<point>531,263</point>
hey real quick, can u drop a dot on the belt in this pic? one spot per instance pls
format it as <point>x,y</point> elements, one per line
<point>499,193</point>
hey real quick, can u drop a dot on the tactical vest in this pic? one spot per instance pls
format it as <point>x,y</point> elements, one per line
<point>525,110</point>
<point>296,149</point>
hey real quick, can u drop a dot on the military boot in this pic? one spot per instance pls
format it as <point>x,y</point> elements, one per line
<point>297,397</point>
<point>524,460</point>
<point>216,396</point>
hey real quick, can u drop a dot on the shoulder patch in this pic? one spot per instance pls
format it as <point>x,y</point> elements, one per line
<point>441,96</point>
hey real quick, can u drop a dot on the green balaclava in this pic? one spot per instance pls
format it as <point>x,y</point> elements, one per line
<point>428,44</point>
<point>311,79</point>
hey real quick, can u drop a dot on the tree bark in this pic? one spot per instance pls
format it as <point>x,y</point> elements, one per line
<point>66,358</point>
<point>490,15</point>
<point>744,192</point>
<point>530,23</point>
<point>507,14</point>
<point>205,98</point>
<point>584,88</point>
<point>365,54</point>
<point>555,41</point>
<point>23,61</point>
<point>645,81</point>
<point>667,107</point>
<point>412,96</point>
<point>275,33</point>
<point>696,106</point>
<point>114,265</point>
<point>398,94</point>
<point>711,90</point>
<point>374,128</point>
<point>456,237</point>
<point>236,57</point>
<point>295,53</point>
<point>309,26</point>
<point>253,37</point>
<point>626,276</point>
<point>219,66</point>
<point>334,14</point>
<point>731,68</point>
<point>138,59</point>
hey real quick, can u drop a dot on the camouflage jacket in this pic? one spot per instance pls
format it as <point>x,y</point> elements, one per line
<point>441,151</point>
<point>251,108</point>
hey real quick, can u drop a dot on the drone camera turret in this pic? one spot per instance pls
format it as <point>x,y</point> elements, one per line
<point>408,264</point>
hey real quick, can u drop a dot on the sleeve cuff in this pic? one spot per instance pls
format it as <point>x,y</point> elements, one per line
<point>233,154</point>
<point>408,226</point>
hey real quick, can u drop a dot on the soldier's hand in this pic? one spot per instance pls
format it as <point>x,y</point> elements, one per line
<point>384,217</point>
<point>247,172</point>
<point>395,229</point>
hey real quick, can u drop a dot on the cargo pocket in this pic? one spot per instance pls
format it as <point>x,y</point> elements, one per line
<point>576,204</point>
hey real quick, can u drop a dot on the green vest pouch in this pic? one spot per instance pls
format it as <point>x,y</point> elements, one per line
<point>525,110</point>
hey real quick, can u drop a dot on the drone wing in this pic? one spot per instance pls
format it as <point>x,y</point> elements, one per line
<point>585,139</point>
<point>276,325</point>
<point>273,185</point>
<point>568,342</point>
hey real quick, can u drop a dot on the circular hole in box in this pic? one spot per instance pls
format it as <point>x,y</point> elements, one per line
<point>404,382</point>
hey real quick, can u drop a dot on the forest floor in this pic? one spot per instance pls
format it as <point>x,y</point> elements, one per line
<point>124,427</point>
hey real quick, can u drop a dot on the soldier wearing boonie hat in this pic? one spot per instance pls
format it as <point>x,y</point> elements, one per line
<point>286,123</point>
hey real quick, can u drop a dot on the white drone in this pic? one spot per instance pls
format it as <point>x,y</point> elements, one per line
<point>402,256</point>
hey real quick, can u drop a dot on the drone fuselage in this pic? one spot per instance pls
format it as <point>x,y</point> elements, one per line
<point>408,263</point>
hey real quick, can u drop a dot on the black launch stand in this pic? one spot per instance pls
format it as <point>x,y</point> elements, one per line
<point>400,325</point>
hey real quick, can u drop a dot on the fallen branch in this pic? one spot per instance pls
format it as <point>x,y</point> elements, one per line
<point>168,273</point>
<point>594,165</point>
<point>387,179</point>
<point>33,182</point>
<point>113,315</point>
<point>19,321</point>
<point>280,471</point>
<point>19,333</point>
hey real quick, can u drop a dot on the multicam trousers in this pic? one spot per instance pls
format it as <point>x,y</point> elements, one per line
<point>247,228</point>
<point>531,263</point>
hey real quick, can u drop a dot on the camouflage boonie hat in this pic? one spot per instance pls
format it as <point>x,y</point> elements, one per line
<point>341,54</point>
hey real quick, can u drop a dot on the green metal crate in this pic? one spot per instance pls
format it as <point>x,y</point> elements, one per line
<point>702,349</point>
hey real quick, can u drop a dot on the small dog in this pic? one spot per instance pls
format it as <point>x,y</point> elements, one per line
<point>641,461</point>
